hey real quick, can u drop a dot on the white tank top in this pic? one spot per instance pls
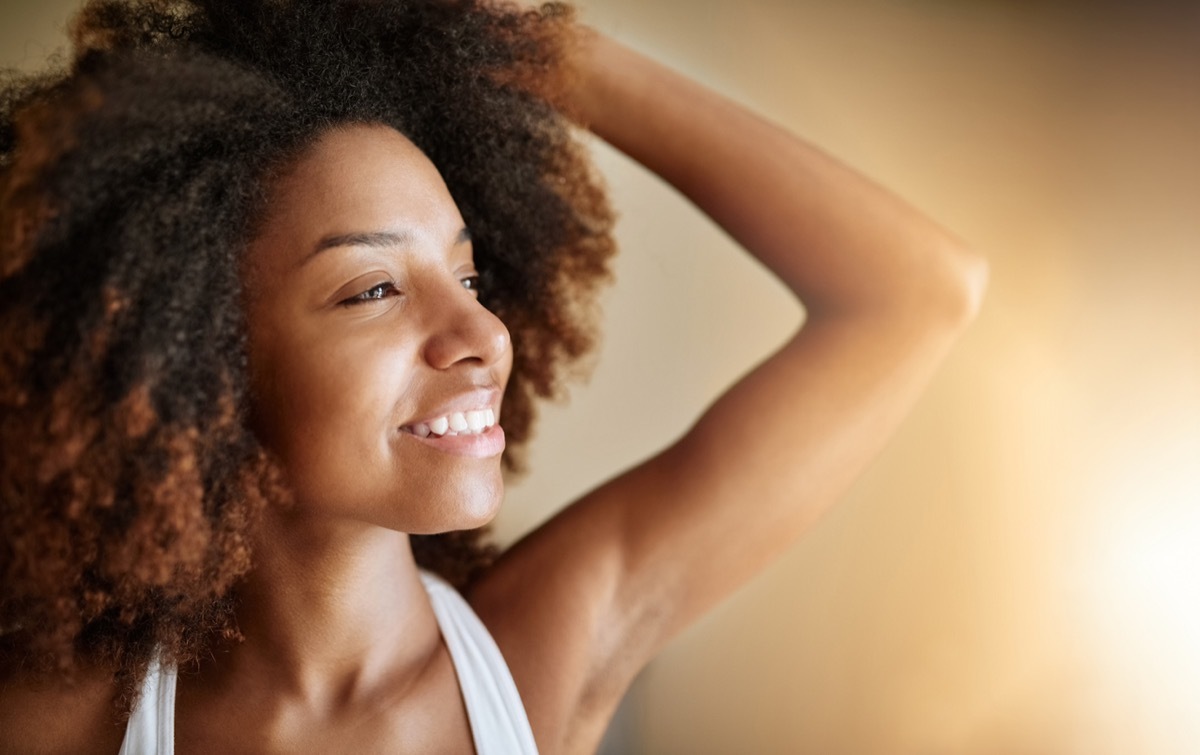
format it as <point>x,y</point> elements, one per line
<point>499,725</point>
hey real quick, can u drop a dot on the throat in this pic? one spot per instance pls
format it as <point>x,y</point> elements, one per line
<point>330,626</point>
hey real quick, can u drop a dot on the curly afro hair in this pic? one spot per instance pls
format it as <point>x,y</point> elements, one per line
<point>130,185</point>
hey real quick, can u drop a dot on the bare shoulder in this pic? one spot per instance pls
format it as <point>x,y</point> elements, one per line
<point>546,604</point>
<point>54,716</point>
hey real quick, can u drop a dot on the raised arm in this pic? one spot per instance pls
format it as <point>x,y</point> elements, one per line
<point>845,246</point>
<point>614,576</point>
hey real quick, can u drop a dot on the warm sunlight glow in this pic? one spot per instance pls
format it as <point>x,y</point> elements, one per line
<point>1146,597</point>
<point>1155,575</point>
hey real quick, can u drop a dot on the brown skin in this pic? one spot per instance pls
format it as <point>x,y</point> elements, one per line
<point>50,717</point>
<point>335,377</point>
<point>341,646</point>
<point>348,345</point>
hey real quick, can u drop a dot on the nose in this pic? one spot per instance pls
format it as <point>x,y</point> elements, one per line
<point>463,330</point>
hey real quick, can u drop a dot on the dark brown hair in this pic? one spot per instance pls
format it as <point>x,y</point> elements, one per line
<point>131,183</point>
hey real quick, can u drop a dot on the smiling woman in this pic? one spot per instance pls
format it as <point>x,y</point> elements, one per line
<point>354,348</point>
<point>135,460</point>
<point>279,283</point>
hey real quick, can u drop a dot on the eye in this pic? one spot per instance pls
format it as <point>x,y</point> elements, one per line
<point>374,293</point>
<point>471,283</point>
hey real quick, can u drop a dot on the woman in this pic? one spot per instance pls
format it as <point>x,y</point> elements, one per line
<point>280,284</point>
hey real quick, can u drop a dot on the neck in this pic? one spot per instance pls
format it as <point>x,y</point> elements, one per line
<point>333,610</point>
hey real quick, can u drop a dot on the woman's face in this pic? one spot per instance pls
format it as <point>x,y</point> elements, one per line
<point>376,373</point>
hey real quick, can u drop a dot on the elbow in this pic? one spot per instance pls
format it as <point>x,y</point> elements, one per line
<point>966,285</point>
<point>944,292</point>
<point>944,296</point>
<point>938,288</point>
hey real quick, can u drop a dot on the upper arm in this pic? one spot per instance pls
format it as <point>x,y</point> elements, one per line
<point>585,601</point>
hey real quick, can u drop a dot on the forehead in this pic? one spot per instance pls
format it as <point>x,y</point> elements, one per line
<point>356,179</point>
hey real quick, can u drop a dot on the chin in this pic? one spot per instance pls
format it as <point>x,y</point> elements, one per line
<point>460,507</point>
<point>478,514</point>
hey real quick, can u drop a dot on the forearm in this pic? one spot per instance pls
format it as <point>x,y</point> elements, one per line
<point>839,241</point>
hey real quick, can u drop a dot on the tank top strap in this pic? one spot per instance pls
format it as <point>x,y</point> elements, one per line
<point>499,723</point>
<point>151,727</point>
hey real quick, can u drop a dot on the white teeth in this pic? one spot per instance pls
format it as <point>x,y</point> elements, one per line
<point>475,421</point>
<point>458,423</point>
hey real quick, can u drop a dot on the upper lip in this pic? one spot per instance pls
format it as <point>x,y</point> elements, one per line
<point>473,400</point>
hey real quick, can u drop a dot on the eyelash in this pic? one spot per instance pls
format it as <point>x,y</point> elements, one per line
<point>374,293</point>
<point>383,290</point>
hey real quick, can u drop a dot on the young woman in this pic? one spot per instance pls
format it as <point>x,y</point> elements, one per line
<point>279,283</point>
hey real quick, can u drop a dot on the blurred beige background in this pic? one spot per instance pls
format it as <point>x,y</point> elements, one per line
<point>1019,573</point>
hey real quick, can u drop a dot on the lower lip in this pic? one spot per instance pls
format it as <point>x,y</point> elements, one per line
<point>482,445</point>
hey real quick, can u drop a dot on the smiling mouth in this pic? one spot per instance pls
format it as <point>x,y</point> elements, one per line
<point>474,422</point>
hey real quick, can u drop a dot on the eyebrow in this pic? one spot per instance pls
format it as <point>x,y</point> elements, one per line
<point>375,240</point>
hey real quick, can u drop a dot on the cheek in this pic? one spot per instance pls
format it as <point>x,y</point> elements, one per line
<point>330,431</point>
<point>327,387</point>
<point>329,406</point>
<point>319,403</point>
